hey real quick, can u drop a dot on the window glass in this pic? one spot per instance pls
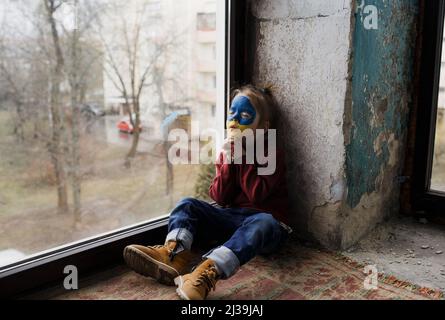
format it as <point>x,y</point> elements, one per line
<point>206,21</point>
<point>89,92</point>
<point>438,171</point>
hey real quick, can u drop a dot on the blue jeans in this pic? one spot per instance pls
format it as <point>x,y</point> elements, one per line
<point>243,233</point>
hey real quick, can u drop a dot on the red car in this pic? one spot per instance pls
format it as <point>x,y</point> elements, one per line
<point>125,126</point>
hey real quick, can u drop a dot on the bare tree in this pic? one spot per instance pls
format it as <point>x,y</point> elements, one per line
<point>132,60</point>
<point>14,89</point>
<point>80,57</point>
<point>57,76</point>
<point>15,81</point>
<point>70,61</point>
<point>57,124</point>
<point>159,82</point>
<point>24,74</point>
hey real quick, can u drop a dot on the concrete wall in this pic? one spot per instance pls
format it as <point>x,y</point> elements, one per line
<point>343,104</point>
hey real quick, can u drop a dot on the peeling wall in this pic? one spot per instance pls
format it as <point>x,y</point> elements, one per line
<point>343,94</point>
<point>383,64</point>
<point>381,74</point>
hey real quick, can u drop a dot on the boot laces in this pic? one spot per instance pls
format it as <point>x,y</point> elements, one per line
<point>208,278</point>
<point>171,252</point>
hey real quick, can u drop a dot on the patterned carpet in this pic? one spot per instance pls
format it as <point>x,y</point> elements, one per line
<point>295,273</point>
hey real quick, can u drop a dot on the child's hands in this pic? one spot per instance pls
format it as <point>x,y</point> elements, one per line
<point>231,155</point>
<point>234,134</point>
<point>227,147</point>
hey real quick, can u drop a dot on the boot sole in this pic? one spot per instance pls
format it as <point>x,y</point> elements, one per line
<point>179,283</point>
<point>145,265</point>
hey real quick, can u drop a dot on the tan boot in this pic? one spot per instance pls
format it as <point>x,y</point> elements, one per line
<point>197,285</point>
<point>158,261</point>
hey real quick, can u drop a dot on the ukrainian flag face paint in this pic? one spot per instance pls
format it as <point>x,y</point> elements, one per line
<point>242,114</point>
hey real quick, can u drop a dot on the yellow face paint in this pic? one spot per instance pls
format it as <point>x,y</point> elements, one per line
<point>235,125</point>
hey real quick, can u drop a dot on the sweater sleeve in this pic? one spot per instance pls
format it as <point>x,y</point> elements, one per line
<point>224,185</point>
<point>258,188</point>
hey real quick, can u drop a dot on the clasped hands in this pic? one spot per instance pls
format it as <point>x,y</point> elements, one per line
<point>235,138</point>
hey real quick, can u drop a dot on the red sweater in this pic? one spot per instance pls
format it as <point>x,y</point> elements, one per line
<point>240,186</point>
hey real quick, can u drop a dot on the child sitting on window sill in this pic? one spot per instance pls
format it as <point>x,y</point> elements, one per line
<point>251,218</point>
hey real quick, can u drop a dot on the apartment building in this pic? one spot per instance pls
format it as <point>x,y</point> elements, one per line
<point>185,71</point>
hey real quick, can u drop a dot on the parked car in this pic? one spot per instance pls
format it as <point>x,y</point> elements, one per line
<point>92,109</point>
<point>125,126</point>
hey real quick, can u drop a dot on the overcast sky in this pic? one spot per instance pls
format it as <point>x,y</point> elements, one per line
<point>15,16</point>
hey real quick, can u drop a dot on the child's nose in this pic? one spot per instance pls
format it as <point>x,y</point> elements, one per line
<point>235,117</point>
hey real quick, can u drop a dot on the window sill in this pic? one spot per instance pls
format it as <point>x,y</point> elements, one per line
<point>46,269</point>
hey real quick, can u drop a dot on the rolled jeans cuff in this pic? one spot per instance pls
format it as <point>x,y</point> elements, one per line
<point>227,263</point>
<point>182,235</point>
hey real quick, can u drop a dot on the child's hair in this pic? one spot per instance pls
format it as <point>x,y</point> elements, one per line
<point>262,99</point>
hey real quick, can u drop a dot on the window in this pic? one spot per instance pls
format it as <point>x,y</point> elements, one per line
<point>438,169</point>
<point>206,21</point>
<point>429,167</point>
<point>84,154</point>
<point>154,7</point>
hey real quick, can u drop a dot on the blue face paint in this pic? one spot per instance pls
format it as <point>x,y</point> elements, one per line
<point>242,111</point>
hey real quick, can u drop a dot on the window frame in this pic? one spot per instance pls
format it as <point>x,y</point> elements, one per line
<point>45,270</point>
<point>423,198</point>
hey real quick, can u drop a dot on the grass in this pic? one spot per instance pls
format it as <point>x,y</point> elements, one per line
<point>112,195</point>
<point>16,195</point>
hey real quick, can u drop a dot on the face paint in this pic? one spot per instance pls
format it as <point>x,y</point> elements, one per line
<point>242,113</point>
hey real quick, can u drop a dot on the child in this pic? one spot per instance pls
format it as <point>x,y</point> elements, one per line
<point>250,219</point>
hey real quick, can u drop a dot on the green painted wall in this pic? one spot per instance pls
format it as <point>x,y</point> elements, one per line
<point>381,78</point>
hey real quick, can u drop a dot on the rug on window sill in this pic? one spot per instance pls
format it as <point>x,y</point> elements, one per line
<point>295,273</point>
